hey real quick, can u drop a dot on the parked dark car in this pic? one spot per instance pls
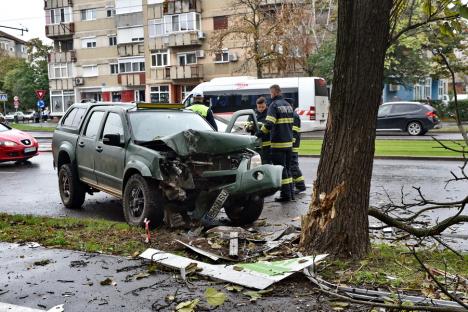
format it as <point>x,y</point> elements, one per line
<point>412,117</point>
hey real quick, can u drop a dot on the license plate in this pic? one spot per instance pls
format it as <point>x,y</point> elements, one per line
<point>29,149</point>
<point>217,205</point>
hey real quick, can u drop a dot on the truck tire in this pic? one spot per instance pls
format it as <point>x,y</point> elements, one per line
<point>245,212</point>
<point>72,191</point>
<point>142,199</point>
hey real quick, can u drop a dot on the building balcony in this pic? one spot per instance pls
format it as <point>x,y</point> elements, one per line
<point>132,79</point>
<point>177,72</point>
<point>131,49</point>
<point>184,6</point>
<point>62,57</point>
<point>183,39</point>
<point>60,30</point>
<point>52,4</point>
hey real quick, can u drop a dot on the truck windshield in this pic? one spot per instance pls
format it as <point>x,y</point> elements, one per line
<point>151,125</point>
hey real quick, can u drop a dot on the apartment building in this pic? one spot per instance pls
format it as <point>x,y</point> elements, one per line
<point>135,50</point>
<point>12,46</point>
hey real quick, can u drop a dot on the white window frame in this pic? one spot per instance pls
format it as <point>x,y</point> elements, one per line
<point>112,12</point>
<point>116,66</point>
<point>161,53</point>
<point>157,90</point>
<point>192,24</point>
<point>63,68</point>
<point>184,54</point>
<point>88,41</point>
<point>442,90</point>
<point>112,40</point>
<point>223,52</point>
<point>94,73</point>
<point>60,95</point>
<point>153,26</point>
<point>132,62</point>
<point>52,14</point>
<point>88,14</point>
<point>186,91</point>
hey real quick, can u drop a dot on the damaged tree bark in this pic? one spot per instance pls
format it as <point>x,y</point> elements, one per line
<point>337,221</point>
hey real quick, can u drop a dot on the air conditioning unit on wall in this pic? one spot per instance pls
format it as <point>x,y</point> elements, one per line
<point>233,57</point>
<point>200,53</point>
<point>79,81</point>
<point>201,35</point>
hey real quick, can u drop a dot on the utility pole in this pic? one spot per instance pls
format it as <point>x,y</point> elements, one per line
<point>15,28</point>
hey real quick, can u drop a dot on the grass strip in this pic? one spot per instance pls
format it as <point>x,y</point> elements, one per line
<point>386,265</point>
<point>409,148</point>
<point>26,127</point>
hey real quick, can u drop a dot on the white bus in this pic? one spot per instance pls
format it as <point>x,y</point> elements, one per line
<point>227,95</point>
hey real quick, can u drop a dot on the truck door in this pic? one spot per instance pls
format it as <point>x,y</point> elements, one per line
<point>86,146</point>
<point>110,156</point>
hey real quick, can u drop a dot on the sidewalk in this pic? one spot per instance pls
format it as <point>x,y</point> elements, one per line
<point>42,278</point>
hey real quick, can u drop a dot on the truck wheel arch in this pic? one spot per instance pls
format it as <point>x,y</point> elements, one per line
<point>63,158</point>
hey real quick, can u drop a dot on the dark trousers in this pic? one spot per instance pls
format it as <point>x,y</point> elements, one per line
<point>282,157</point>
<point>298,178</point>
<point>266,155</point>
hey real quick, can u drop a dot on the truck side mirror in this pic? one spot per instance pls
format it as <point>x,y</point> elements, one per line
<point>112,140</point>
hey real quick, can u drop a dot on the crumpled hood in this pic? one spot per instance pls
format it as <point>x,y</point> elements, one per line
<point>192,142</point>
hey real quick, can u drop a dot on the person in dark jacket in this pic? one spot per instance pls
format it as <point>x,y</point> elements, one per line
<point>261,114</point>
<point>198,106</point>
<point>278,124</point>
<point>296,173</point>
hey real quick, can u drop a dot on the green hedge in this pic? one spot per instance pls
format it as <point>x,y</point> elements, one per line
<point>448,111</point>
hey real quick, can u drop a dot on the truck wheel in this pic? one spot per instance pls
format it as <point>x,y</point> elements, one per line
<point>72,191</point>
<point>141,199</point>
<point>245,212</point>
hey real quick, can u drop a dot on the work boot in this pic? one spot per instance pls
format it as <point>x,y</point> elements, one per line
<point>299,190</point>
<point>282,199</point>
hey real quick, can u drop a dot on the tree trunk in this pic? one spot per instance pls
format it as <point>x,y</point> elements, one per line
<point>337,222</point>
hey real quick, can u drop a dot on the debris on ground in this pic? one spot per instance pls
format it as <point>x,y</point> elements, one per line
<point>215,298</point>
<point>42,262</point>
<point>257,275</point>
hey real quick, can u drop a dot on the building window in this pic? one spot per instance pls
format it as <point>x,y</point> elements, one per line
<point>442,90</point>
<point>222,56</point>
<point>88,15</point>
<point>160,94</point>
<point>132,66</point>
<point>59,70</point>
<point>114,69</point>
<point>160,58</point>
<point>57,16</point>
<point>186,91</point>
<point>182,22</point>
<point>155,28</point>
<point>110,12</point>
<point>90,71</point>
<point>88,43</point>
<point>112,40</point>
<point>187,58</point>
<point>220,22</point>
<point>61,100</point>
<point>428,88</point>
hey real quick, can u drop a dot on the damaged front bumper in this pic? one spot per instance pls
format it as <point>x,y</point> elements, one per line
<point>262,180</point>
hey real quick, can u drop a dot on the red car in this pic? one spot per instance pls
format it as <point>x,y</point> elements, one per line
<point>16,145</point>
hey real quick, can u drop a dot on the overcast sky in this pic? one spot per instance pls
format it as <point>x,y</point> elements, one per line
<point>23,13</point>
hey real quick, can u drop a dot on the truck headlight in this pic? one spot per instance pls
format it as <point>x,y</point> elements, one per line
<point>255,161</point>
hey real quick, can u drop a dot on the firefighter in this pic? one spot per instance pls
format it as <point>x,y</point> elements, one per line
<point>261,114</point>
<point>278,124</point>
<point>298,178</point>
<point>198,106</point>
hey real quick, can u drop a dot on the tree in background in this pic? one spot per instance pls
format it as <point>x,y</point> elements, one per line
<point>337,221</point>
<point>21,78</point>
<point>320,63</point>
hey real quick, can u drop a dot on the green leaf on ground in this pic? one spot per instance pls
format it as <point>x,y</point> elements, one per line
<point>214,298</point>
<point>187,306</point>
<point>234,288</point>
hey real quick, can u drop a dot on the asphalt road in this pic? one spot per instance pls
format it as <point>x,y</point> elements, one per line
<point>32,189</point>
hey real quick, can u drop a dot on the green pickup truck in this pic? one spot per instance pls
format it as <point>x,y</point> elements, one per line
<point>160,160</point>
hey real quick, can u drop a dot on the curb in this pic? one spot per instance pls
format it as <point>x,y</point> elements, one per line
<point>402,157</point>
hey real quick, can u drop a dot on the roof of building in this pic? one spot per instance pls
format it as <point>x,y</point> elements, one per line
<point>5,35</point>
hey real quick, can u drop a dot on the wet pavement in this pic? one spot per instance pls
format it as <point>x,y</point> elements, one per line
<point>395,135</point>
<point>74,279</point>
<point>31,188</point>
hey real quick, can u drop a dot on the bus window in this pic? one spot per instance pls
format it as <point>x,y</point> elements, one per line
<point>321,87</point>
